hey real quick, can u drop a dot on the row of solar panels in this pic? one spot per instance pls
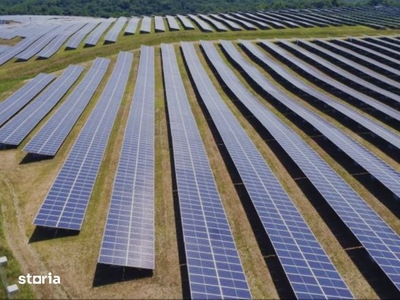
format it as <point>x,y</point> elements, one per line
<point>309,270</point>
<point>44,41</point>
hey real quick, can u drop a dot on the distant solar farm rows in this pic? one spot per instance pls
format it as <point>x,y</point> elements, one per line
<point>360,93</point>
<point>43,41</point>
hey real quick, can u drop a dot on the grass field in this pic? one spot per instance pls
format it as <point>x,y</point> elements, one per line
<point>24,183</point>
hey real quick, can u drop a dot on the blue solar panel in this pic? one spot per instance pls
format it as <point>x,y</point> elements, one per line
<point>172,23</point>
<point>21,125</point>
<point>217,25</point>
<point>232,25</point>
<point>159,24</point>
<point>214,267</point>
<point>128,238</point>
<point>77,38</point>
<point>381,131</point>
<point>51,136</point>
<point>380,241</point>
<point>247,25</point>
<point>294,243</point>
<point>66,202</point>
<point>185,22</point>
<point>146,25</point>
<point>132,25</point>
<point>10,106</point>
<point>112,35</point>
<point>96,34</point>
<point>365,158</point>
<point>202,24</point>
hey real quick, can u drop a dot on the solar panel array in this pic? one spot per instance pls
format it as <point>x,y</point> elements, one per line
<point>232,25</point>
<point>96,34</point>
<point>159,24</point>
<point>132,25</point>
<point>386,134</point>
<point>245,24</point>
<point>259,24</point>
<point>308,268</point>
<point>146,25</point>
<point>172,23</point>
<point>128,238</point>
<point>388,176</point>
<point>15,130</point>
<point>380,241</point>
<point>185,22</point>
<point>203,26</point>
<point>51,136</point>
<point>78,37</point>
<point>58,41</point>
<point>324,81</point>
<point>216,24</point>
<point>13,104</point>
<point>213,265</point>
<point>66,202</point>
<point>112,35</point>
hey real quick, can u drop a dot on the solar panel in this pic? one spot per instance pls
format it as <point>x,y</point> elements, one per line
<point>146,25</point>
<point>384,133</point>
<point>58,41</point>
<point>185,22</point>
<point>324,81</point>
<point>77,38</point>
<point>216,24</point>
<point>202,25</point>
<point>245,24</point>
<point>51,136</point>
<point>112,35</point>
<point>4,48</point>
<point>159,24</point>
<point>172,23</point>
<point>378,239</point>
<point>22,124</point>
<point>96,34</point>
<point>132,25</point>
<point>128,238</point>
<point>259,24</point>
<point>213,264</point>
<point>365,72</point>
<point>384,173</point>
<point>10,106</point>
<point>294,243</point>
<point>66,203</point>
<point>276,22</point>
<point>232,25</point>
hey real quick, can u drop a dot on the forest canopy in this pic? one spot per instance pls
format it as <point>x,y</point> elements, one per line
<point>115,8</point>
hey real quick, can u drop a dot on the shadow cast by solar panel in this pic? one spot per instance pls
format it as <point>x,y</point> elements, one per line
<point>357,128</point>
<point>88,46</point>
<point>178,221</point>
<point>32,158</point>
<point>272,262</point>
<point>109,274</point>
<point>4,147</point>
<point>19,60</point>
<point>39,58</point>
<point>45,233</point>
<point>360,257</point>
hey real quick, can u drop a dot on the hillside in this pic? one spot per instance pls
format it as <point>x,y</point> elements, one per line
<point>106,8</point>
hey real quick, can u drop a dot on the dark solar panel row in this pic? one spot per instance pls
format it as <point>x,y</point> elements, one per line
<point>58,41</point>
<point>203,26</point>
<point>388,176</point>
<point>379,130</point>
<point>77,38</point>
<point>112,35</point>
<point>307,266</point>
<point>328,81</point>
<point>51,136</point>
<point>96,34</point>
<point>159,24</point>
<point>66,202</point>
<point>13,104</point>
<point>128,238</point>
<point>213,264</point>
<point>172,23</point>
<point>338,69</point>
<point>381,242</point>
<point>132,25</point>
<point>185,22</point>
<point>15,130</point>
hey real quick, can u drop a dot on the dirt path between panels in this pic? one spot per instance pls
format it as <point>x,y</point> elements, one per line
<point>17,241</point>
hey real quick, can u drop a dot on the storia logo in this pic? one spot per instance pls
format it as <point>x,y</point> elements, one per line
<point>39,279</point>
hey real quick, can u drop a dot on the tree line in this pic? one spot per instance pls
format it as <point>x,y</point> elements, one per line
<point>115,8</point>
